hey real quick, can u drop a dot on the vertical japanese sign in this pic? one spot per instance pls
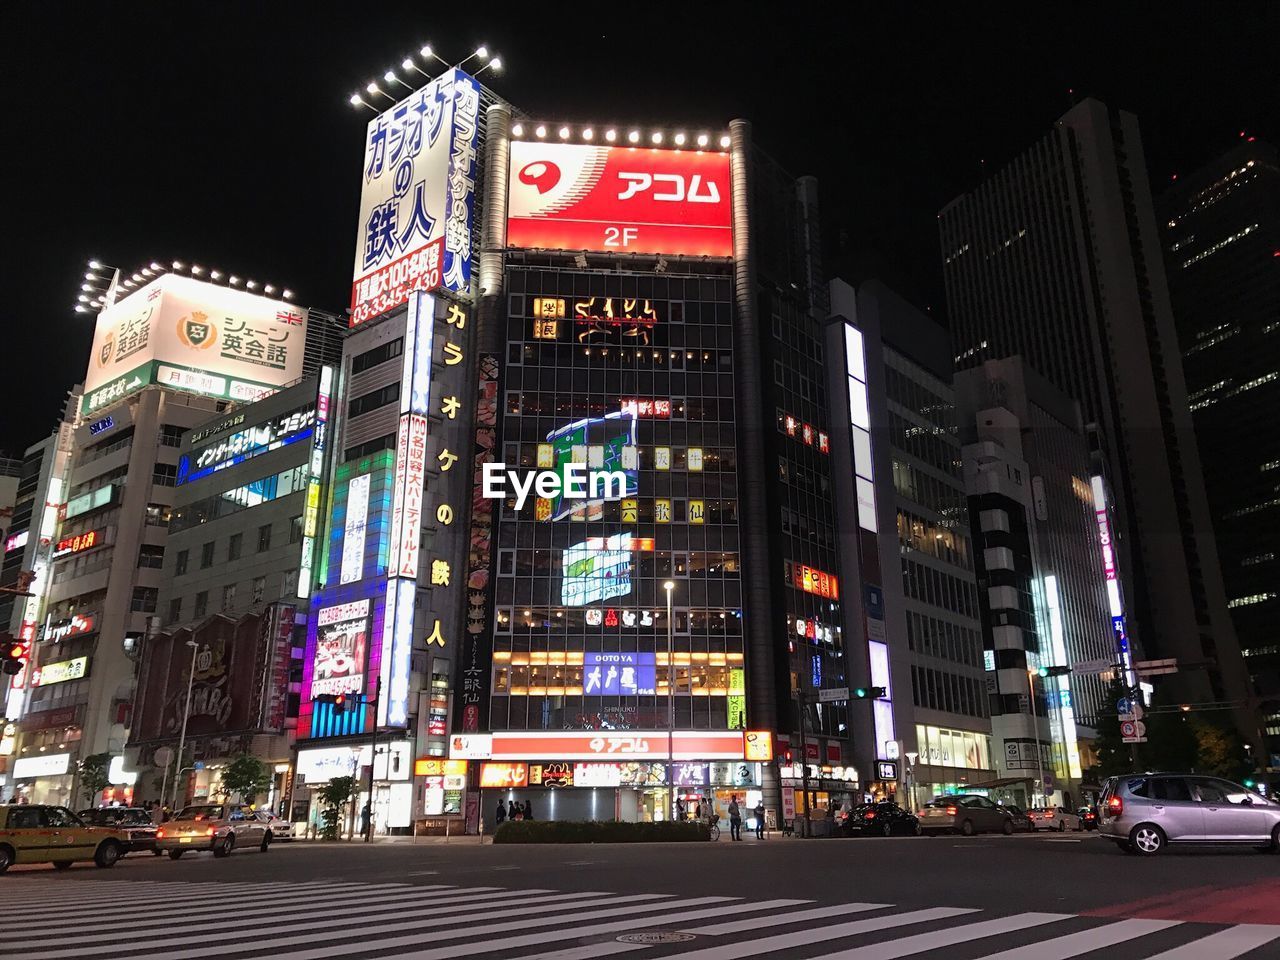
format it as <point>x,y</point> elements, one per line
<point>418,199</point>
<point>476,648</point>
<point>406,509</point>
<point>315,470</point>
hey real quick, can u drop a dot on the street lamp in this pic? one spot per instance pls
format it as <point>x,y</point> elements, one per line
<point>669,587</point>
<point>186,713</point>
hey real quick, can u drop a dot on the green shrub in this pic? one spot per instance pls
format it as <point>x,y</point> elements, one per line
<point>599,831</point>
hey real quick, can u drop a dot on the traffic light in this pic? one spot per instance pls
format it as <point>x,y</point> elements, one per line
<point>868,693</point>
<point>1054,671</point>
<point>1250,782</point>
<point>14,655</point>
<point>338,702</point>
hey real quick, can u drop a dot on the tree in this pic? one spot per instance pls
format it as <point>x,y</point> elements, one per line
<point>246,775</point>
<point>1171,739</point>
<point>1220,751</point>
<point>335,795</point>
<point>1114,756</point>
<point>94,775</point>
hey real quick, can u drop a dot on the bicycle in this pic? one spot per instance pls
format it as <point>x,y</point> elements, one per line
<point>714,828</point>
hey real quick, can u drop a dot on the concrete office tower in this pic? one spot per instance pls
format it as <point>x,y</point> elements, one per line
<point>1028,470</point>
<point>1057,258</point>
<point>1221,231</point>
<point>938,686</point>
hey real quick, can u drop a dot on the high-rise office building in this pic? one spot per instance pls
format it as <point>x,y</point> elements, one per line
<point>1057,258</point>
<point>1044,600</point>
<point>1221,232</point>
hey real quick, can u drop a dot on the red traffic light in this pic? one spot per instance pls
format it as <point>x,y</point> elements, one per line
<point>17,651</point>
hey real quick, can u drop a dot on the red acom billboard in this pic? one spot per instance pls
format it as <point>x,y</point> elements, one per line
<point>567,196</point>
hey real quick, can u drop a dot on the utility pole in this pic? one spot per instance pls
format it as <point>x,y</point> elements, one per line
<point>186,714</point>
<point>373,755</point>
<point>670,587</point>
<point>1035,728</point>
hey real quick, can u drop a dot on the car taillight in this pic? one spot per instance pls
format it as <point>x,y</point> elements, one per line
<point>159,833</point>
<point>1116,806</point>
<point>208,832</point>
<point>870,815</point>
<point>952,811</point>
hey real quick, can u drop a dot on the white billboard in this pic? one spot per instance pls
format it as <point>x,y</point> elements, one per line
<point>418,197</point>
<point>191,335</point>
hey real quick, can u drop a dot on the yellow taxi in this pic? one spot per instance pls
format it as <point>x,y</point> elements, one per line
<point>39,833</point>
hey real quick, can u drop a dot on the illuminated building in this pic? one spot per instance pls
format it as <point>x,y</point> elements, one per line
<point>166,357</point>
<point>1220,228</point>
<point>921,549</point>
<point>1056,258</point>
<point>1031,506</point>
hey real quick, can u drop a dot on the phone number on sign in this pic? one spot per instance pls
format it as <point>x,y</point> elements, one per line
<point>390,286</point>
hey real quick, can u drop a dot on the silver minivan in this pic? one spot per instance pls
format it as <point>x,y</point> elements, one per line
<point>1145,812</point>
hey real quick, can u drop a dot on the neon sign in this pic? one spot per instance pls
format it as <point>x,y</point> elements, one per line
<point>78,543</point>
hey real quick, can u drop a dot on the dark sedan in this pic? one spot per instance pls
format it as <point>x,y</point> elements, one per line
<point>883,819</point>
<point>1021,822</point>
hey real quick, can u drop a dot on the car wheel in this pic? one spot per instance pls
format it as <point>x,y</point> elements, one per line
<point>62,864</point>
<point>266,841</point>
<point>966,828</point>
<point>108,853</point>
<point>1147,839</point>
<point>176,854</point>
<point>886,830</point>
<point>1062,826</point>
<point>1274,848</point>
<point>1007,827</point>
<point>226,846</point>
<point>6,857</point>
<point>917,830</point>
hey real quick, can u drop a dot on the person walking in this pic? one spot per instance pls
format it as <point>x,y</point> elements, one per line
<point>366,819</point>
<point>759,812</point>
<point>680,809</point>
<point>735,819</point>
<point>500,815</point>
<point>528,810</point>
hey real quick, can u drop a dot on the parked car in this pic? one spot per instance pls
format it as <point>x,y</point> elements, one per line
<point>134,821</point>
<point>1143,813</point>
<point>220,827</point>
<point>1022,823</point>
<point>964,813</point>
<point>1054,818</point>
<point>38,833</point>
<point>280,828</point>
<point>1088,817</point>
<point>883,819</point>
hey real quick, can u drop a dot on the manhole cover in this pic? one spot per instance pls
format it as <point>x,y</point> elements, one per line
<point>655,936</point>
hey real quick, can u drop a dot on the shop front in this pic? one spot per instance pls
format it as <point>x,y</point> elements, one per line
<point>44,778</point>
<point>391,810</point>
<point>624,775</point>
<point>810,793</point>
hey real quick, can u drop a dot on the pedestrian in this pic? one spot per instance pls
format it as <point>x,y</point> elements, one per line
<point>680,808</point>
<point>519,811</point>
<point>366,819</point>
<point>735,819</point>
<point>697,809</point>
<point>157,814</point>
<point>759,812</point>
<point>528,810</point>
<point>501,815</point>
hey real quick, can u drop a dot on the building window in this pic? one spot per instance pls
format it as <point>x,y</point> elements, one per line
<point>165,474</point>
<point>228,598</point>
<point>206,555</point>
<point>144,599</point>
<point>151,556</point>
<point>180,565</point>
<point>259,588</point>
<point>157,515</point>
<point>233,546</point>
<point>175,610</point>
<point>295,529</point>
<point>202,604</point>
<point>171,434</point>
<point>264,537</point>
<point>374,400</point>
<point>371,358</point>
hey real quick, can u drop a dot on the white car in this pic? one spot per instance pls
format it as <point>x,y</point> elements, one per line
<point>1054,818</point>
<point>280,828</point>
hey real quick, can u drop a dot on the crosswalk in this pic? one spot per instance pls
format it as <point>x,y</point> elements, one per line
<point>47,918</point>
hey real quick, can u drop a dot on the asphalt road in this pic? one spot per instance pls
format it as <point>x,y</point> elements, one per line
<point>1038,896</point>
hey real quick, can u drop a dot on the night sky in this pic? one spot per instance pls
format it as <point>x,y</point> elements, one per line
<point>220,134</point>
